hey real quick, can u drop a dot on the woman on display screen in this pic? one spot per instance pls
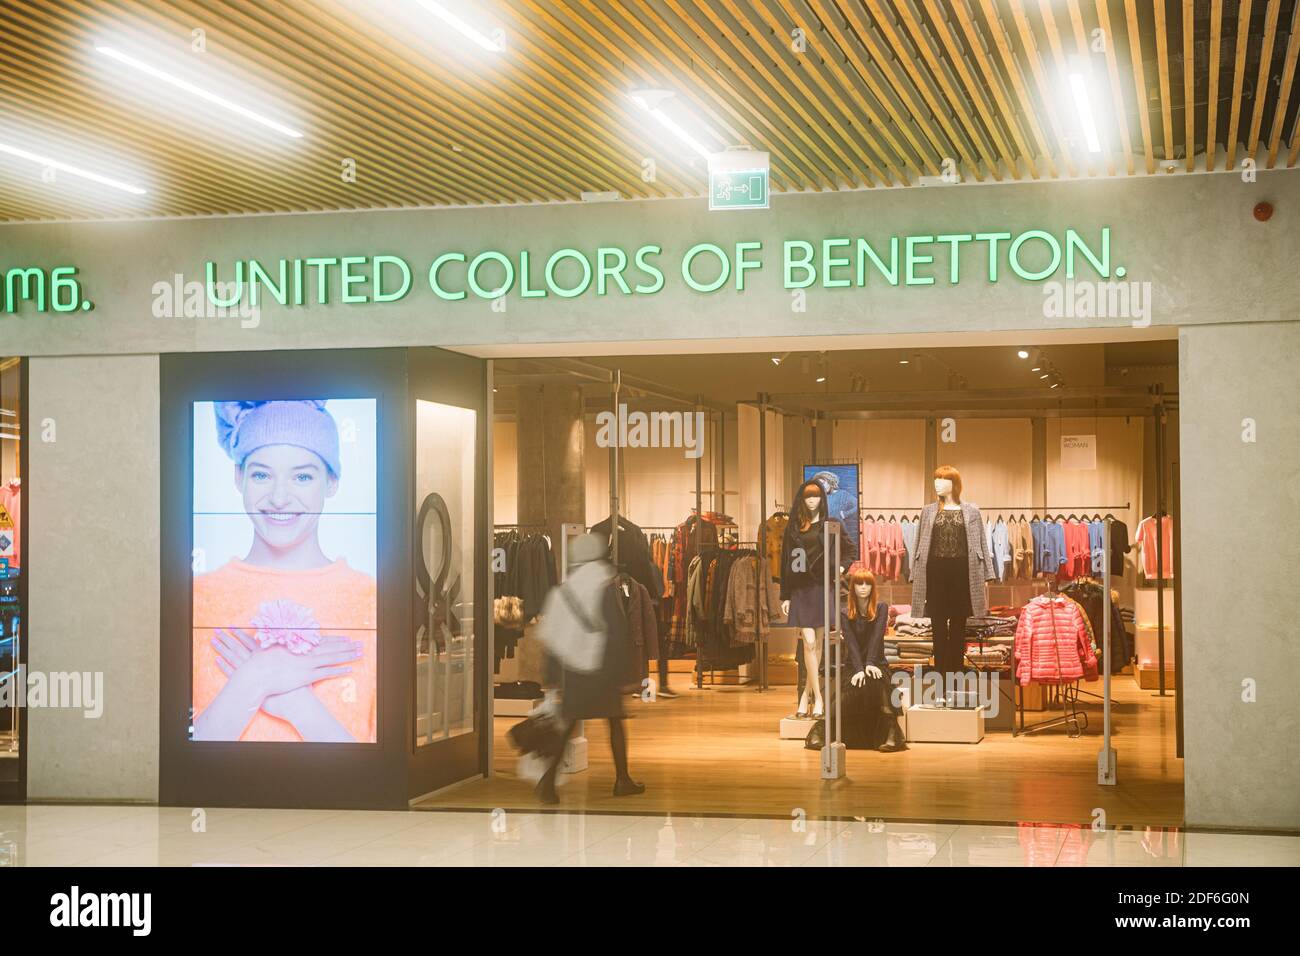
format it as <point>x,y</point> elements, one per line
<point>284,638</point>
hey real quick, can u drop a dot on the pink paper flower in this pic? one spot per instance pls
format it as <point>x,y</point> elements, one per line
<point>287,623</point>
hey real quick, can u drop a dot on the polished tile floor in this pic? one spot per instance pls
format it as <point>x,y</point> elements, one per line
<point>162,836</point>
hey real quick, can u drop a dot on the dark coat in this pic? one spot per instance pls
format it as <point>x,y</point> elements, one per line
<point>811,542</point>
<point>866,639</point>
<point>587,696</point>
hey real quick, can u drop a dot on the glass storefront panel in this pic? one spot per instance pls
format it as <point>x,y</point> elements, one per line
<point>444,570</point>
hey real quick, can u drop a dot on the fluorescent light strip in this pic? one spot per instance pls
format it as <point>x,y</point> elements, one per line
<point>1082,103</point>
<point>460,26</point>
<point>69,168</point>
<point>671,125</point>
<point>201,93</point>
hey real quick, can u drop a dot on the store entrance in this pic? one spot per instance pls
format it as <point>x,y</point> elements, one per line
<point>1067,449</point>
<point>12,589</point>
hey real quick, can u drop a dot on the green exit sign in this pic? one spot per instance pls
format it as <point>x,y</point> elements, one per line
<point>738,189</point>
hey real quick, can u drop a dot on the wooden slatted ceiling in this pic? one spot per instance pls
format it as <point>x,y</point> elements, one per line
<point>844,94</point>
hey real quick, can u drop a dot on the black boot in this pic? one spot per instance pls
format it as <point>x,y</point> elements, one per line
<point>894,738</point>
<point>545,789</point>
<point>627,787</point>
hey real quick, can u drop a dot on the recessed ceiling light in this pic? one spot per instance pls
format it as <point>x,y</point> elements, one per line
<point>821,378</point>
<point>188,87</point>
<point>1023,354</point>
<point>463,27</point>
<point>903,361</point>
<point>1044,375</point>
<point>71,170</point>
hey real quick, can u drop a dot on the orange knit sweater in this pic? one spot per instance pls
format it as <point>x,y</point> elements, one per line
<point>342,601</point>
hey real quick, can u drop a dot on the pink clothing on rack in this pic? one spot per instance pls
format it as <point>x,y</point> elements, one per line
<point>1146,539</point>
<point>11,538</point>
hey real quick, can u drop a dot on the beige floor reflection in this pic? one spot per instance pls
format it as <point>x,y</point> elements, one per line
<point>166,836</point>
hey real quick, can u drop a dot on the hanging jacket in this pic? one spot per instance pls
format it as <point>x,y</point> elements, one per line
<point>693,602</point>
<point>1053,643</point>
<point>908,529</point>
<point>751,603</point>
<point>772,534</point>
<point>1021,544</point>
<point>633,552</point>
<point>1090,598</point>
<point>643,626</point>
<point>1001,550</point>
<point>687,548</point>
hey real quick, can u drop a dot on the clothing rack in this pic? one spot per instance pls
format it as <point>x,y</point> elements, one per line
<point>864,509</point>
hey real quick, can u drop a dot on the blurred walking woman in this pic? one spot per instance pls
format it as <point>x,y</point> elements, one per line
<point>585,633</point>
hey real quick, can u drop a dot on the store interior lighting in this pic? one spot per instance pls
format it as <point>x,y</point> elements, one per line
<point>463,27</point>
<point>197,91</point>
<point>652,102</point>
<point>1083,107</point>
<point>51,163</point>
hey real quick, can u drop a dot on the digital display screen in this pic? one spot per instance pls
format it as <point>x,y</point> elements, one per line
<point>840,482</point>
<point>284,571</point>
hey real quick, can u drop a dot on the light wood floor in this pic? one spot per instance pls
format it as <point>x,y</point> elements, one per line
<point>717,751</point>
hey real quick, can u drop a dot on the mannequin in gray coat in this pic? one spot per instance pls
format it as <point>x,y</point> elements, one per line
<point>952,563</point>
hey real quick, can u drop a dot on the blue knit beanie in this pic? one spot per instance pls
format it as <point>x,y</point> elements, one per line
<point>243,427</point>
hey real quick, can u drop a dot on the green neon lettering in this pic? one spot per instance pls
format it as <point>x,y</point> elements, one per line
<point>604,271</point>
<point>259,278</point>
<point>1100,265</point>
<point>379,263</point>
<point>954,254</point>
<point>992,238</point>
<point>525,290</point>
<point>914,259</point>
<point>211,270</point>
<point>438,290</point>
<point>348,279</point>
<point>297,282</point>
<point>64,277</point>
<point>724,273</point>
<point>491,256</point>
<point>322,267</point>
<point>865,252</point>
<point>742,263</point>
<point>649,269</point>
<point>28,278</point>
<point>804,263</point>
<point>556,259</point>
<point>830,262</point>
<point>1014,255</point>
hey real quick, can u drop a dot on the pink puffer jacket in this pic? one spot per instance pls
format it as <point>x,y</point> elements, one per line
<point>1052,645</point>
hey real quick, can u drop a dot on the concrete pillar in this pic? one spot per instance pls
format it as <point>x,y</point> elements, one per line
<point>1240,454</point>
<point>552,482</point>
<point>93,577</point>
